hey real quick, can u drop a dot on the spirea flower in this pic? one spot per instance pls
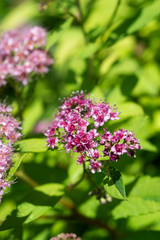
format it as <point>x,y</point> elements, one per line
<point>9,134</point>
<point>22,54</point>
<point>77,125</point>
<point>66,236</point>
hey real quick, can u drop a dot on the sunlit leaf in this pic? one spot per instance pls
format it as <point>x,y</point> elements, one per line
<point>135,206</point>
<point>40,200</point>
<point>129,109</point>
<point>19,15</point>
<point>114,184</point>
<point>32,145</point>
<point>148,146</point>
<point>143,221</point>
<point>148,13</point>
<point>16,162</point>
<point>89,207</point>
<point>101,13</point>
<point>144,198</point>
<point>31,116</point>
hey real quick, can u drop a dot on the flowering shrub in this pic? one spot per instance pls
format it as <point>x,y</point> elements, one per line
<point>9,134</point>
<point>66,236</point>
<point>109,48</point>
<point>22,54</point>
<point>77,125</point>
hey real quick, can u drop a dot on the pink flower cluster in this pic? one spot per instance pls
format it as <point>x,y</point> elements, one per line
<point>119,143</point>
<point>22,54</point>
<point>9,134</point>
<point>66,236</point>
<point>77,125</point>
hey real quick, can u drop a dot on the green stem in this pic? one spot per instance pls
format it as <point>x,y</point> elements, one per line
<point>81,21</point>
<point>114,14</point>
<point>105,35</point>
<point>25,178</point>
<point>91,180</point>
<point>106,168</point>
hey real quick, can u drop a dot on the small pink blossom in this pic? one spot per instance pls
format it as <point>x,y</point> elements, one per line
<point>81,159</point>
<point>66,236</point>
<point>9,134</point>
<point>93,153</point>
<point>52,142</point>
<point>119,143</point>
<point>118,149</point>
<point>95,166</point>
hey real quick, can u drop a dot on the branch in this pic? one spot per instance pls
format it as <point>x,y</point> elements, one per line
<point>79,10</point>
<point>97,223</point>
<point>76,215</point>
<point>25,178</point>
<point>81,20</point>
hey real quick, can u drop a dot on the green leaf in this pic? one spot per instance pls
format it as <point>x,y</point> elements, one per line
<point>114,184</point>
<point>140,125</point>
<point>31,116</point>
<point>69,44</point>
<point>51,189</point>
<point>40,200</point>
<point>30,211</point>
<point>146,234</point>
<point>100,15</point>
<point>19,15</point>
<point>6,207</point>
<point>144,86</point>
<point>74,172</point>
<point>89,208</point>
<point>88,50</point>
<point>144,198</point>
<point>34,205</point>
<point>133,21</point>
<point>130,109</point>
<point>12,221</point>
<point>147,14</point>
<point>17,161</point>
<point>135,206</point>
<point>143,221</point>
<point>97,91</point>
<point>33,145</point>
<point>148,188</point>
<point>54,36</point>
<point>148,146</point>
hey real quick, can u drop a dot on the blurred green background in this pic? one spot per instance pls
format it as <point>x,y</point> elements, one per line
<point>110,48</point>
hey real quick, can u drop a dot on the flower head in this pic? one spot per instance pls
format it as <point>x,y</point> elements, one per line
<point>77,126</point>
<point>9,134</point>
<point>22,54</point>
<point>66,236</point>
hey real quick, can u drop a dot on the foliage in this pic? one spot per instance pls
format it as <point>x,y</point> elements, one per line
<point>109,49</point>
